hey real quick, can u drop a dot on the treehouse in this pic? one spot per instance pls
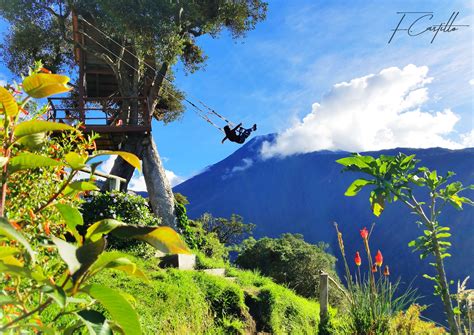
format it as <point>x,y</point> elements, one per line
<point>96,101</point>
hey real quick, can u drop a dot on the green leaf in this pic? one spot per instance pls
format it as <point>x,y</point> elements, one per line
<point>67,252</point>
<point>7,300</point>
<point>42,85</point>
<point>56,293</point>
<point>356,186</point>
<point>8,104</point>
<point>95,322</point>
<point>377,201</point>
<point>73,218</point>
<point>26,161</point>
<point>356,161</point>
<point>3,161</point>
<point>33,142</point>
<point>79,259</point>
<point>117,306</point>
<point>75,161</point>
<point>6,251</point>
<point>6,229</point>
<point>39,126</point>
<point>443,235</point>
<point>15,270</point>
<point>102,227</point>
<point>163,238</point>
<point>80,186</point>
<point>126,156</point>
<point>117,261</point>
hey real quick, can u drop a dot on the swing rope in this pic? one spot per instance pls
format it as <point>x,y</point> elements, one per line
<point>202,114</point>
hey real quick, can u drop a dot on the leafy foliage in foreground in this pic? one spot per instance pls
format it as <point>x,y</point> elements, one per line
<point>397,178</point>
<point>46,279</point>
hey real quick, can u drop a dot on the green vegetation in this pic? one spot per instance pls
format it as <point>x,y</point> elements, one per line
<point>193,302</point>
<point>397,179</point>
<point>128,208</point>
<point>46,280</point>
<point>291,261</point>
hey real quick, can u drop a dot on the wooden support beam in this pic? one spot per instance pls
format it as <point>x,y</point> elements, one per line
<point>323,296</point>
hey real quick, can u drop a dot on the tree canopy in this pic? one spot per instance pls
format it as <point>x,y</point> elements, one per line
<point>158,32</point>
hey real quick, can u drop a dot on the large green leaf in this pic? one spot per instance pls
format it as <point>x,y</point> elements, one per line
<point>356,186</point>
<point>33,142</point>
<point>38,126</point>
<point>6,229</point>
<point>377,201</point>
<point>95,322</point>
<point>127,156</point>
<point>79,259</point>
<point>164,239</point>
<point>75,161</point>
<point>117,261</point>
<point>100,228</point>
<point>8,104</point>
<point>117,306</point>
<point>56,293</point>
<point>26,161</point>
<point>73,218</point>
<point>42,85</point>
<point>357,161</point>
<point>15,270</point>
<point>6,251</point>
<point>80,186</point>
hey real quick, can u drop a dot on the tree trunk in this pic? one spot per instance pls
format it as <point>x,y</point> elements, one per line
<point>132,144</point>
<point>159,190</point>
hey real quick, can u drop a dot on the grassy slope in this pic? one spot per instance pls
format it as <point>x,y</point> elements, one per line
<point>192,302</point>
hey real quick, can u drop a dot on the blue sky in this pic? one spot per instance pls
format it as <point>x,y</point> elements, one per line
<point>292,60</point>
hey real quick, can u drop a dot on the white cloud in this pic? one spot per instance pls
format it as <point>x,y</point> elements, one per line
<point>137,183</point>
<point>374,112</point>
<point>246,163</point>
<point>468,139</point>
<point>471,82</point>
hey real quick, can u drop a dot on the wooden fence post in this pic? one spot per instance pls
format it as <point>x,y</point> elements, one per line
<point>323,296</point>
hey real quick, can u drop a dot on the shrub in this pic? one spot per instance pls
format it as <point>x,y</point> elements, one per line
<point>126,207</point>
<point>409,322</point>
<point>291,261</point>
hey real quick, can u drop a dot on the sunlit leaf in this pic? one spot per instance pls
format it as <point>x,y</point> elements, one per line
<point>8,104</point>
<point>95,322</point>
<point>7,230</point>
<point>3,161</point>
<point>27,161</point>
<point>42,85</point>
<point>117,261</point>
<point>102,227</point>
<point>8,251</point>
<point>73,218</point>
<point>81,186</point>
<point>377,202</point>
<point>33,142</point>
<point>38,126</point>
<point>75,161</point>
<point>164,239</point>
<point>56,293</point>
<point>117,306</point>
<point>356,186</point>
<point>14,270</point>
<point>67,251</point>
<point>127,156</point>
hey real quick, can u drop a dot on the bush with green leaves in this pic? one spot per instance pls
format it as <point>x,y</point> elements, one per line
<point>397,178</point>
<point>125,207</point>
<point>291,261</point>
<point>45,279</point>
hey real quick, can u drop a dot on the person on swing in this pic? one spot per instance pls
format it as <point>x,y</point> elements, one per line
<point>239,134</point>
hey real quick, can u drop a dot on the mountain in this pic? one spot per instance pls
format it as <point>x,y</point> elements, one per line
<point>305,194</point>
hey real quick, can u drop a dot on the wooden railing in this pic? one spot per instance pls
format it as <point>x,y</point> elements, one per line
<point>111,111</point>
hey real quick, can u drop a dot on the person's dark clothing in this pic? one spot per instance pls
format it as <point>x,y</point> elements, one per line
<point>238,134</point>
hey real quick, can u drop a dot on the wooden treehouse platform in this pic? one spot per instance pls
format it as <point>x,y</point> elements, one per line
<point>96,103</point>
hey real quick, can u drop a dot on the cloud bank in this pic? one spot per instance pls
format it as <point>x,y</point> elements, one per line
<point>374,112</point>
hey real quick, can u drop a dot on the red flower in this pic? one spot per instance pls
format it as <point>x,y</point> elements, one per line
<point>357,259</point>
<point>374,268</point>
<point>364,233</point>
<point>386,272</point>
<point>378,258</point>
